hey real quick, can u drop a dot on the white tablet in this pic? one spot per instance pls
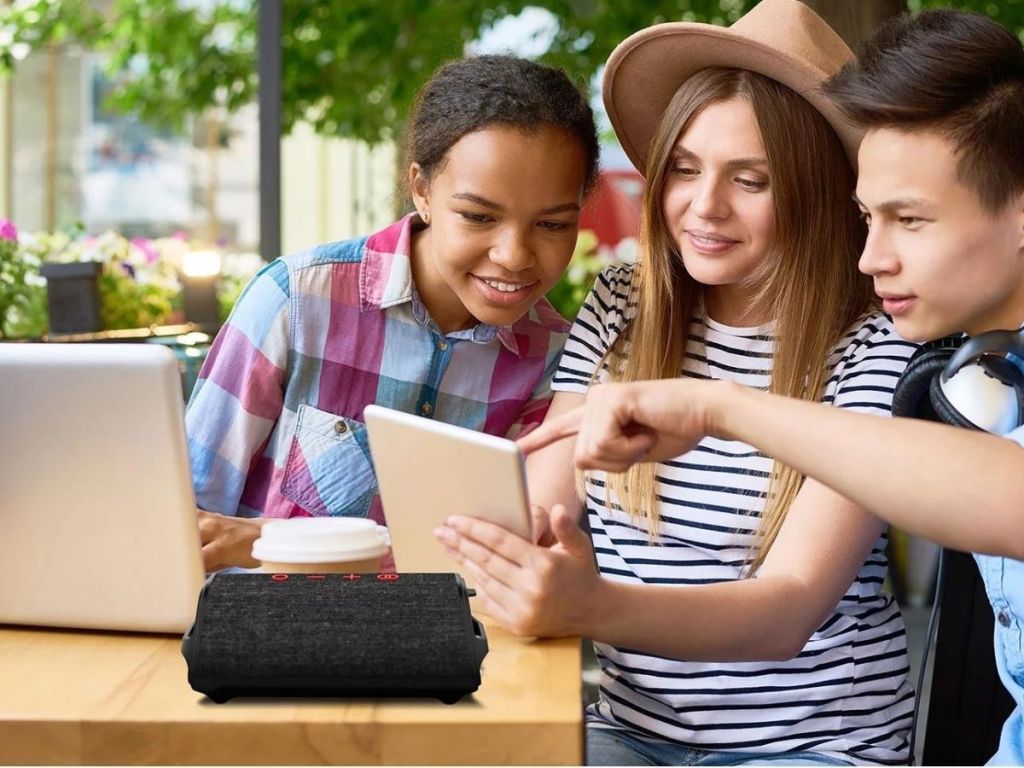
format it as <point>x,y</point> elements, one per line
<point>428,470</point>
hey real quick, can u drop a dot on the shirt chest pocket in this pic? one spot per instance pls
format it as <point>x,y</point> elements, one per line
<point>328,472</point>
<point>1003,579</point>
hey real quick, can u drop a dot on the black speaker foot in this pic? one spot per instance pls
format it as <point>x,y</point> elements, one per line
<point>450,699</point>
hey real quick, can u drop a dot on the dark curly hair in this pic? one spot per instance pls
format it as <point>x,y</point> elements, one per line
<point>470,94</point>
<point>956,74</point>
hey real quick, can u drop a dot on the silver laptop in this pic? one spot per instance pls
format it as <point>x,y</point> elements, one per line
<point>97,516</point>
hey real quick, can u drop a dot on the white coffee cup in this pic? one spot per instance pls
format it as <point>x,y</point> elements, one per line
<point>321,545</point>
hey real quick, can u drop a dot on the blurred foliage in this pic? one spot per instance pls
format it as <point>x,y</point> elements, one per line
<point>138,284</point>
<point>587,262</point>
<point>351,67</point>
<point>19,297</point>
<point>31,318</point>
<point>168,60</point>
<point>228,293</point>
<point>125,303</point>
<point>1009,13</point>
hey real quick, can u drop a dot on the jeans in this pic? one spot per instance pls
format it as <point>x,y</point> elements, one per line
<point>614,746</point>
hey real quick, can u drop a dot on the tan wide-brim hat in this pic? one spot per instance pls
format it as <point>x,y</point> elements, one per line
<point>781,39</point>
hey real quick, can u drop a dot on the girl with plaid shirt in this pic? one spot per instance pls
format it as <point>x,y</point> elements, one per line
<point>441,314</point>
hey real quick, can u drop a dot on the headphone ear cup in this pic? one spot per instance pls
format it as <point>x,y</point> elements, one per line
<point>1012,375</point>
<point>945,409</point>
<point>911,397</point>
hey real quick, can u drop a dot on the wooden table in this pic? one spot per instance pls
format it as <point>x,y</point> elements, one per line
<point>76,697</point>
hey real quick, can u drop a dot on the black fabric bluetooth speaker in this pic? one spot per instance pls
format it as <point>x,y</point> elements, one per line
<point>382,635</point>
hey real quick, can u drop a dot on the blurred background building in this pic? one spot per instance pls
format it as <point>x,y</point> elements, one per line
<point>68,158</point>
<point>141,116</point>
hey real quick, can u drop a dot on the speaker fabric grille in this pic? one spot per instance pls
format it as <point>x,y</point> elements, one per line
<point>253,627</point>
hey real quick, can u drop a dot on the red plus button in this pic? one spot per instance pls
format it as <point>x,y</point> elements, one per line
<point>351,577</point>
<point>387,577</point>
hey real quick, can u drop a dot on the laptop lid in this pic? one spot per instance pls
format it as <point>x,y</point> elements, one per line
<point>98,526</point>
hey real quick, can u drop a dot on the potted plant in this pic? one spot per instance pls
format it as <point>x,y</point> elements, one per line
<point>107,282</point>
<point>68,282</point>
<point>22,290</point>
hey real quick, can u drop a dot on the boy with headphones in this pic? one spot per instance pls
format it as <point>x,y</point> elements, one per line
<point>941,185</point>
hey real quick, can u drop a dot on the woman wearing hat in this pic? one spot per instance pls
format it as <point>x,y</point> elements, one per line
<point>737,609</point>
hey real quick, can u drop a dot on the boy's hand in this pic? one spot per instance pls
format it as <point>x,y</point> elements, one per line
<point>622,424</point>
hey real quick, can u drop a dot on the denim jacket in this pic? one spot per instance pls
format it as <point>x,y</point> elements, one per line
<point>1004,584</point>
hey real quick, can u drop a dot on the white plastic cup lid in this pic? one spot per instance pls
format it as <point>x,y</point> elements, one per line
<point>320,540</point>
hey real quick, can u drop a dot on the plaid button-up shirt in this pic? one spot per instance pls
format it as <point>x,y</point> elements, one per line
<point>275,421</point>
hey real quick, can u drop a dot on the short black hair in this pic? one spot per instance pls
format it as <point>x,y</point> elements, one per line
<point>470,94</point>
<point>956,74</point>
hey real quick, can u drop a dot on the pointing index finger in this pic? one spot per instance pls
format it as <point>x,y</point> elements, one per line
<point>551,431</point>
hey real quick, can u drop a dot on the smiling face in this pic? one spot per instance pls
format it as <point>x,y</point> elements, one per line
<point>939,260</point>
<point>717,203</point>
<point>504,211</point>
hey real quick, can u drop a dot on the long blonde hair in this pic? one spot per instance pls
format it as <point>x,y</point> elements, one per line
<point>809,283</point>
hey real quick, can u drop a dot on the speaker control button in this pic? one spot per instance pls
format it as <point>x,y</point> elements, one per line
<point>280,577</point>
<point>387,577</point>
<point>351,577</point>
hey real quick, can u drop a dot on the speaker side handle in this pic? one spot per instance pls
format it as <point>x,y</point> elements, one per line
<point>480,646</point>
<point>187,644</point>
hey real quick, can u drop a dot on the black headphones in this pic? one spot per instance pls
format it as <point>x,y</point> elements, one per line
<point>970,383</point>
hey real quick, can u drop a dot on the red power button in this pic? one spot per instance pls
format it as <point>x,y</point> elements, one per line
<point>387,577</point>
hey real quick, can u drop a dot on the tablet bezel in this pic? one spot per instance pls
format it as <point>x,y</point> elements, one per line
<point>428,470</point>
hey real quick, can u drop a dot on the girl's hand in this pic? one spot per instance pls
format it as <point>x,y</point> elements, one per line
<point>622,424</point>
<point>542,534</point>
<point>529,589</point>
<point>227,541</point>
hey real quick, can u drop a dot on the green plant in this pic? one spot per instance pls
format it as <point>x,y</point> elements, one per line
<point>30,319</point>
<point>125,303</point>
<point>237,269</point>
<point>227,294</point>
<point>139,283</point>
<point>587,261</point>
<point>22,296</point>
<point>350,68</point>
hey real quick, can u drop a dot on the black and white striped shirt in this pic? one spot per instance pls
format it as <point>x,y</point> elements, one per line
<point>847,693</point>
